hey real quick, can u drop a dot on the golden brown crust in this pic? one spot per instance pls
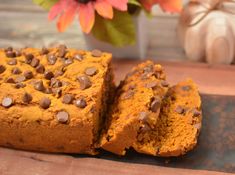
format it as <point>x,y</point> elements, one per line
<point>34,124</point>
<point>137,105</point>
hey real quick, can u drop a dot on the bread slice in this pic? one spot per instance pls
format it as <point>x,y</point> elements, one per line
<point>136,108</point>
<point>178,125</point>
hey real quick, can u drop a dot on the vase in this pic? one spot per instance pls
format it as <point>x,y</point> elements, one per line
<point>136,51</point>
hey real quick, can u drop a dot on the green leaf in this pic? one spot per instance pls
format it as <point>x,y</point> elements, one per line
<point>119,31</point>
<point>134,2</point>
<point>46,4</point>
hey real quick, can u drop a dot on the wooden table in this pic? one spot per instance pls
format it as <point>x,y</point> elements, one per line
<point>24,24</point>
<point>211,80</point>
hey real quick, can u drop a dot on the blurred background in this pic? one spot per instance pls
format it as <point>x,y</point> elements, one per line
<point>25,24</point>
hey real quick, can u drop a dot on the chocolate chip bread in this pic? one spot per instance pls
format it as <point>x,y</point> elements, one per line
<point>178,125</point>
<point>54,99</point>
<point>136,108</point>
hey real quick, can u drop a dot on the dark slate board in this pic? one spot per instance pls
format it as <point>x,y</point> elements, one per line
<point>216,147</point>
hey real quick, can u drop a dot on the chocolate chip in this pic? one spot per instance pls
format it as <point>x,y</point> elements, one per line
<point>40,69</point>
<point>196,112</point>
<point>45,103</point>
<point>48,91</point>
<point>145,128</point>
<point>10,80</point>
<point>2,69</point>
<point>157,75</point>
<point>164,83</point>
<point>28,74</point>
<point>81,103</point>
<point>51,59</point>
<point>78,57</point>
<point>12,61</point>
<point>16,70</point>
<point>55,83</point>
<point>29,58</point>
<point>20,79</point>
<point>18,53</point>
<point>186,88</point>
<point>44,51</point>
<point>10,54</point>
<point>143,116</point>
<point>151,84</point>
<point>27,98</point>
<point>96,53</point>
<point>148,69</point>
<point>91,71</point>
<point>57,92</point>
<point>35,62</point>
<point>68,62</point>
<point>179,110</point>
<point>155,105</point>
<point>84,82</point>
<point>7,102</point>
<point>62,117</point>
<point>62,50</point>
<point>68,98</point>
<point>128,94</point>
<point>48,75</point>
<point>145,75</point>
<point>39,86</point>
<point>8,49</point>
<point>19,85</point>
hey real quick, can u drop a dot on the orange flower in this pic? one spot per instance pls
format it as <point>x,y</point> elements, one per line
<point>68,9</point>
<point>166,5</point>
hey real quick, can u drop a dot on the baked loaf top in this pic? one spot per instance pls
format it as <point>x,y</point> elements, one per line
<point>138,102</point>
<point>178,125</point>
<point>52,86</point>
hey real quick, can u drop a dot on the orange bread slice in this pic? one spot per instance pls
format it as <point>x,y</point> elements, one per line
<point>178,125</point>
<point>136,108</point>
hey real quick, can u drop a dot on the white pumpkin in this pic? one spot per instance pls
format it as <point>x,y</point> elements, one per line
<point>207,31</point>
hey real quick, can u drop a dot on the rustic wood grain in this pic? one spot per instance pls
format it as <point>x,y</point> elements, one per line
<point>14,162</point>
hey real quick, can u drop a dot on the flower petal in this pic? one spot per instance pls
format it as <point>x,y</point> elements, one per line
<point>148,4</point>
<point>86,16</point>
<point>119,4</point>
<point>104,9</point>
<point>67,18</point>
<point>56,9</point>
<point>171,5</point>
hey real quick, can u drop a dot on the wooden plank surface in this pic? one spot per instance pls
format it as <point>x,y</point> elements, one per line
<point>14,162</point>
<point>211,79</point>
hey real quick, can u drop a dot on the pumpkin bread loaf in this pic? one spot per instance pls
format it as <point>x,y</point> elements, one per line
<point>53,100</point>
<point>136,108</point>
<point>178,125</point>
